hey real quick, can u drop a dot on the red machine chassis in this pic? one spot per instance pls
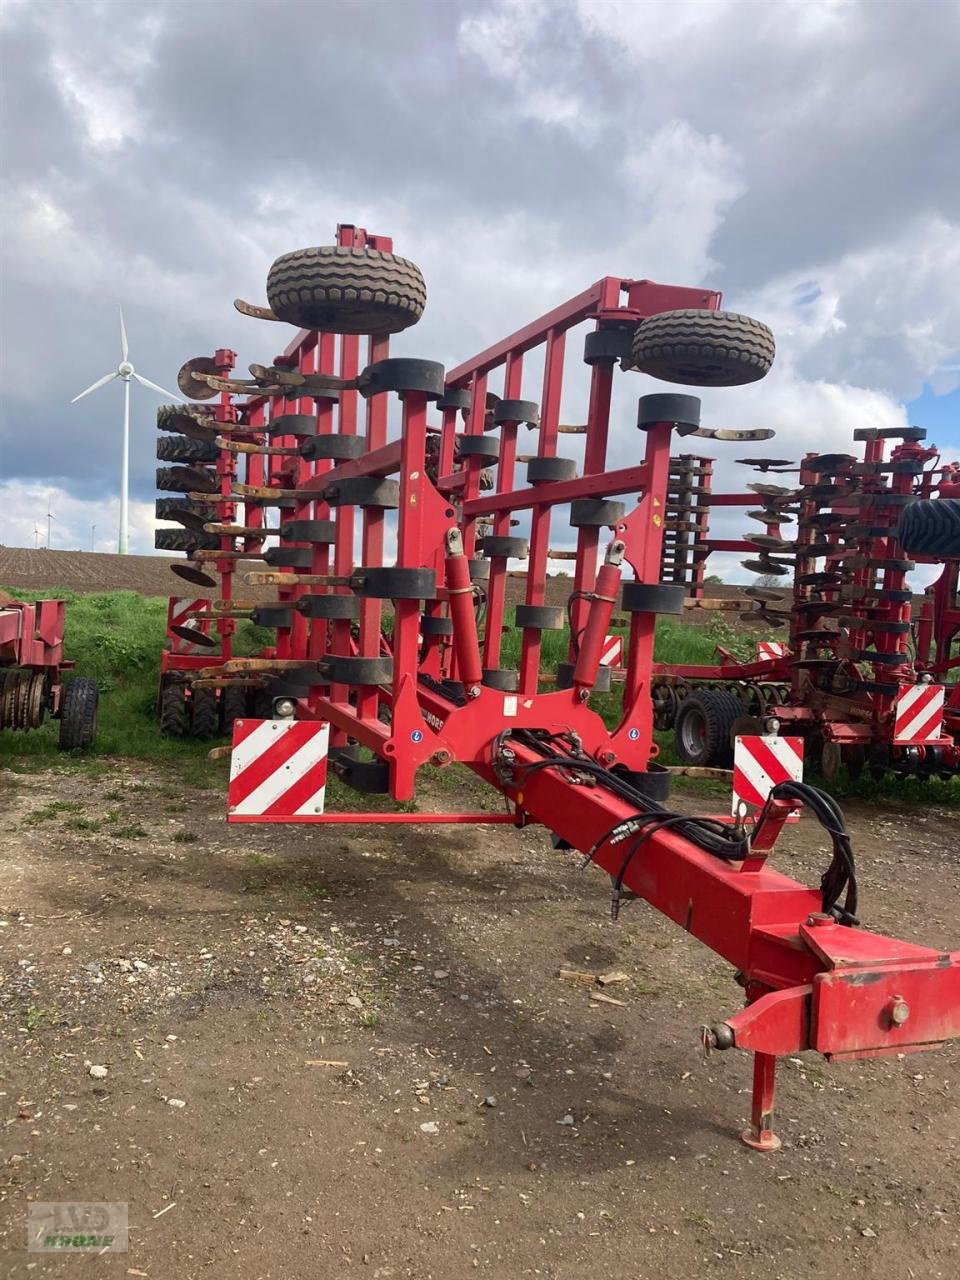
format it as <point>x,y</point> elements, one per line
<point>810,982</point>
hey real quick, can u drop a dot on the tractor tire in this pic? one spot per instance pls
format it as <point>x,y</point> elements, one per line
<point>931,527</point>
<point>185,511</point>
<point>183,449</point>
<point>174,714</point>
<point>78,715</point>
<point>233,706</point>
<point>704,348</point>
<point>184,540</point>
<point>187,480</point>
<point>702,729</point>
<point>345,290</point>
<point>204,714</point>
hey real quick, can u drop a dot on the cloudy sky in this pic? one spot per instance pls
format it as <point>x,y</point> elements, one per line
<point>800,155</point>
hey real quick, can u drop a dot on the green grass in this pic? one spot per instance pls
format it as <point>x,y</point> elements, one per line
<point>116,637</point>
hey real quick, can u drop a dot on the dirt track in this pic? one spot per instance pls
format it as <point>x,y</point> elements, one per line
<point>216,967</point>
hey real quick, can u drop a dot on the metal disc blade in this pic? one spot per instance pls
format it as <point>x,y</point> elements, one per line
<point>193,636</point>
<point>190,573</point>
<point>197,388</point>
<point>764,593</point>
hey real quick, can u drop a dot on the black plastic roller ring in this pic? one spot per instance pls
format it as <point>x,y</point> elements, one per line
<point>319,532</point>
<point>540,617</point>
<point>338,447</point>
<point>608,344</point>
<point>273,615</point>
<point>527,411</point>
<point>498,545</point>
<point>338,607</point>
<point>289,557</point>
<point>436,626</point>
<point>350,670</point>
<point>550,470</point>
<point>602,683</point>
<point>402,375</point>
<point>395,584</point>
<point>479,570</point>
<point>479,447</point>
<point>363,491</point>
<point>455,398</point>
<point>652,597</point>
<point>665,406</point>
<point>595,512</point>
<point>292,424</point>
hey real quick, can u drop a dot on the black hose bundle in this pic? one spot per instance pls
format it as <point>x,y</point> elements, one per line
<point>713,837</point>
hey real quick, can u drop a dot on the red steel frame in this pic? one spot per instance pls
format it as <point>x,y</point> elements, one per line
<point>860,720</point>
<point>31,639</point>
<point>810,983</point>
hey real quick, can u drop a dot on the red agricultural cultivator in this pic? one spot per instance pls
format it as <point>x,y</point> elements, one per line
<point>31,674</point>
<point>389,653</point>
<point>863,667</point>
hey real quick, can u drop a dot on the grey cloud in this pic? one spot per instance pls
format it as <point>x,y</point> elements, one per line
<point>255,126</point>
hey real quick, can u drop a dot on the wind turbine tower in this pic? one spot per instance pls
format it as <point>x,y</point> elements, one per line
<point>125,372</point>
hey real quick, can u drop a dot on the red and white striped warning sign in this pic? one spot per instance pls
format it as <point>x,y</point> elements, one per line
<point>919,713</point>
<point>767,650</point>
<point>180,614</point>
<point>760,762</point>
<point>611,653</point>
<point>278,770</point>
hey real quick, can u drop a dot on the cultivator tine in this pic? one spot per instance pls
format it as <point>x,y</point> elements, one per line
<point>725,434</point>
<point>260,450</point>
<point>253,311</point>
<point>240,530</point>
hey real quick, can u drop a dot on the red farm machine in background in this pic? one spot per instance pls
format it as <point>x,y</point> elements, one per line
<point>31,673</point>
<point>390,654</point>
<point>866,671</point>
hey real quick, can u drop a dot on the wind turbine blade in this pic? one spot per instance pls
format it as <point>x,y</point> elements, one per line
<point>101,382</point>
<point>124,348</point>
<point>160,391</point>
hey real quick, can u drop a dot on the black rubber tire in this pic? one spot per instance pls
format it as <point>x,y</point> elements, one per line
<point>234,705</point>
<point>185,511</point>
<point>704,348</point>
<point>204,714</point>
<point>172,709</point>
<point>931,527</point>
<point>183,449</point>
<point>78,714</point>
<point>187,480</point>
<point>184,540</point>
<point>345,290</point>
<point>702,728</point>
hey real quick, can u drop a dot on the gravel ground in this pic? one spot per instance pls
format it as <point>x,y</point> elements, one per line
<point>338,1052</point>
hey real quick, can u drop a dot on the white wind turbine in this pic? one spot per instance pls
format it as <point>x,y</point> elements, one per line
<point>125,371</point>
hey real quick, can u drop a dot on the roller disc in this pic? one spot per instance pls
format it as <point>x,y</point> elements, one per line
<point>197,388</point>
